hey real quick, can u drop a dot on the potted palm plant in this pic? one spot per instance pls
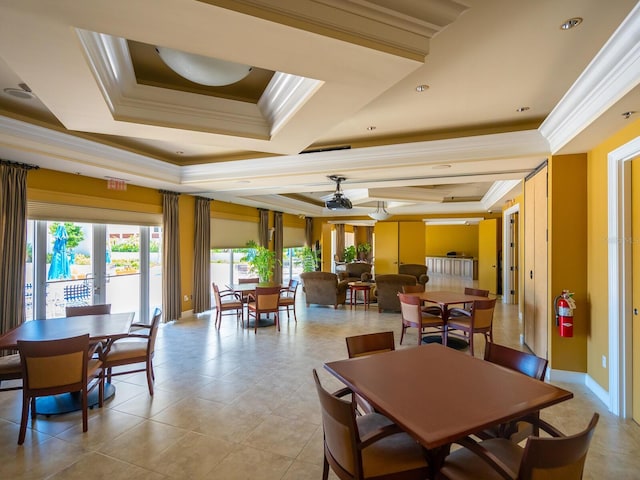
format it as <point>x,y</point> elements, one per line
<point>261,260</point>
<point>363,250</point>
<point>309,259</point>
<point>349,254</point>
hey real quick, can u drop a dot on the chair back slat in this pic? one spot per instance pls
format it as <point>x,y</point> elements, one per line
<point>98,309</point>
<point>367,344</point>
<point>523,362</point>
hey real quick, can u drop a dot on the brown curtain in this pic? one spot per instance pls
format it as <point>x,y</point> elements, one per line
<point>278,245</point>
<point>308,231</point>
<point>171,283</point>
<point>263,227</point>
<point>340,241</point>
<point>369,231</point>
<point>13,242</point>
<point>201,256</point>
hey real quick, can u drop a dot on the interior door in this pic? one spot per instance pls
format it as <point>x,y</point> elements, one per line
<point>386,248</point>
<point>411,242</point>
<point>488,255</point>
<point>635,249</point>
<point>536,310</point>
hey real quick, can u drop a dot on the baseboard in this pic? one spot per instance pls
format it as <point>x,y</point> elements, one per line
<point>583,379</point>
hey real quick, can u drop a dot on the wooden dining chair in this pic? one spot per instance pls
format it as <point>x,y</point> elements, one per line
<point>10,370</point>
<point>288,298</point>
<point>244,281</point>
<point>523,362</point>
<point>265,300</point>
<point>227,302</point>
<point>557,457</point>
<point>135,348</point>
<point>426,308</point>
<point>79,310</point>
<point>459,312</point>
<point>52,367</point>
<point>359,447</point>
<point>413,316</point>
<point>478,320</point>
<point>369,344</point>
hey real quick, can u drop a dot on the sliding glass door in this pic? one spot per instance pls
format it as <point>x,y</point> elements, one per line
<point>71,263</point>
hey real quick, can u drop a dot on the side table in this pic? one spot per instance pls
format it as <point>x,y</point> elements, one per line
<point>354,288</point>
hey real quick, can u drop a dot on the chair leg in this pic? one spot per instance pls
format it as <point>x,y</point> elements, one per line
<point>294,313</point>
<point>277,317</point>
<point>26,401</point>
<point>85,409</point>
<point>402,333</point>
<point>471,343</point>
<point>150,376</point>
<point>325,469</point>
<point>101,390</point>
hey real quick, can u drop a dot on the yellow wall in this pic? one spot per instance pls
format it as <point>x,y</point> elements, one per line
<point>597,251</point>
<point>567,233</point>
<point>440,239</point>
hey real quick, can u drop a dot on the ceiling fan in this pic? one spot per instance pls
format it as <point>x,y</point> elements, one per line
<point>338,201</point>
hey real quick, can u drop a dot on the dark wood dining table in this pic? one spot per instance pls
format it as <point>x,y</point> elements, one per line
<point>101,328</point>
<point>245,289</point>
<point>444,299</point>
<point>439,395</point>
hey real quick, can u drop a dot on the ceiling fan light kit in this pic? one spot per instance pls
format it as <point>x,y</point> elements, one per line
<point>380,213</point>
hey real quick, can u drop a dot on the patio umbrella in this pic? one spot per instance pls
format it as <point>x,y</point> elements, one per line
<point>59,268</point>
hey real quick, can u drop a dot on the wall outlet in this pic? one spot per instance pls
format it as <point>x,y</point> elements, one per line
<point>604,361</point>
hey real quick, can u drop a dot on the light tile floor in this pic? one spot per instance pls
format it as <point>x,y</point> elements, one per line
<point>230,404</point>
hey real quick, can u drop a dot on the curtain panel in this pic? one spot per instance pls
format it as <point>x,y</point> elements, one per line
<point>278,246</point>
<point>171,283</point>
<point>263,227</point>
<point>340,242</point>
<point>13,243</point>
<point>369,232</point>
<point>308,231</point>
<point>201,256</point>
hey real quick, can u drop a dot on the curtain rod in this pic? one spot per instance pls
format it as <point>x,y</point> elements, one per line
<point>25,166</point>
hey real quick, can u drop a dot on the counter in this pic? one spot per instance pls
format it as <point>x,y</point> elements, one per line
<point>458,266</point>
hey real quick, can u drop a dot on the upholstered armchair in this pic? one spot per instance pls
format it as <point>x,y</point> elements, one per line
<point>415,269</point>
<point>323,288</point>
<point>356,272</point>
<point>387,288</point>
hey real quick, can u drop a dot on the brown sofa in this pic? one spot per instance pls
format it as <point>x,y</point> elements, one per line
<point>356,272</point>
<point>323,288</point>
<point>387,289</point>
<point>415,269</point>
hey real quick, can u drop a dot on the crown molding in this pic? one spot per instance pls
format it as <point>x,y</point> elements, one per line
<point>401,28</point>
<point>612,73</point>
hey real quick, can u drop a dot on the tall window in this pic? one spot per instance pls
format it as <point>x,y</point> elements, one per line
<point>291,263</point>
<point>227,265</point>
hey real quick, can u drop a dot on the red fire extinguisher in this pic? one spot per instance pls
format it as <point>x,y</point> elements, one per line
<point>564,306</point>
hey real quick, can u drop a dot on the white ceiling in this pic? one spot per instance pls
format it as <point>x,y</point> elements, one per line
<point>345,65</point>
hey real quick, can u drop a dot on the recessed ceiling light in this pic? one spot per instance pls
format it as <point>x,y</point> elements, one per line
<point>19,93</point>
<point>422,88</point>
<point>626,115</point>
<point>180,152</point>
<point>441,167</point>
<point>371,128</point>
<point>522,109</point>
<point>569,24</point>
